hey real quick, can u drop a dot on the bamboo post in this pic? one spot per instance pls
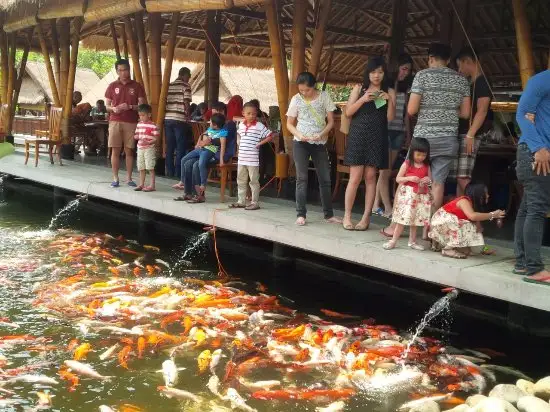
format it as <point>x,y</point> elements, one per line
<point>68,104</point>
<point>140,31</point>
<point>65,57</point>
<point>22,68</point>
<point>156,26</point>
<point>124,39</point>
<point>458,37</point>
<point>169,59</point>
<point>280,67</point>
<point>4,66</point>
<point>398,29</point>
<point>328,68</point>
<point>115,39</point>
<point>55,51</point>
<point>132,46</point>
<point>214,33</point>
<point>319,36</point>
<point>206,69</point>
<point>11,79</point>
<point>298,42</point>
<point>524,42</point>
<point>48,63</point>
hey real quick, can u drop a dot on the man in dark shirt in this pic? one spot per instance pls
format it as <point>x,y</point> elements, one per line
<point>471,131</point>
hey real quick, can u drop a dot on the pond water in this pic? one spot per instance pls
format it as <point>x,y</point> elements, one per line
<point>84,286</point>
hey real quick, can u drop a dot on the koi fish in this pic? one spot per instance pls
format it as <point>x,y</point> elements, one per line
<point>85,370</point>
<point>337,315</point>
<point>123,356</point>
<point>178,393</point>
<point>237,401</point>
<point>141,344</point>
<point>127,407</point>
<point>170,373</point>
<point>333,407</point>
<point>81,351</point>
<point>109,352</point>
<point>44,399</point>
<point>70,377</point>
<point>203,360</point>
<point>304,394</point>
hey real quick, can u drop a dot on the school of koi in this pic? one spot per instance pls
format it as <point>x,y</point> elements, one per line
<point>126,310</point>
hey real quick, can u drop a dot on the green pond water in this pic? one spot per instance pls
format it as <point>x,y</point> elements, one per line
<point>26,265</point>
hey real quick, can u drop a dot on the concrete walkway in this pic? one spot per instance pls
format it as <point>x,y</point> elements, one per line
<point>484,275</point>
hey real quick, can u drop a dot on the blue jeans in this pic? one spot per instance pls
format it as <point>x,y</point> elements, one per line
<point>192,176</point>
<point>531,216</point>
<point>201,156</point>
<point>177,136</point>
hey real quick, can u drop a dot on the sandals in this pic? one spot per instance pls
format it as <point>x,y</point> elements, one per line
<point>453,254</point>
<point>378,212</point>
<point>197,199</point>
<point>184,198</point>
<point>384,233</point>
<point>252,206</point>
<point>301,221</point>
<point>416,246</point>
<point>389,245</point>
<point>347,226</point>
<point>237,206</point>
<point>149,189</point>
<point>138,189</point>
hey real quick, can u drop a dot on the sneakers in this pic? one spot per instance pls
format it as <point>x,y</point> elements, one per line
<point>115,183</point>
<point>131,183</point>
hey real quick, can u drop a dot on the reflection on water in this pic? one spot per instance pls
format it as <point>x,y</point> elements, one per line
<point>186,340</point>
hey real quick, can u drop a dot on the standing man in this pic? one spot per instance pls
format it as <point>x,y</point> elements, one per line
<point>471,132</point>
<point>123,96</point>
<point>178,131</point>
<point>439,96</point>
<point>533,172</point>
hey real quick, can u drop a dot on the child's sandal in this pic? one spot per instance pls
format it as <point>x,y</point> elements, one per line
<point>252,206</point>
<point>237,206</point>
<point>138,189</point>
<point>149,189</point>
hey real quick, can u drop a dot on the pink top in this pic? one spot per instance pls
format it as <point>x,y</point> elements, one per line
<point>453,208</point>
<point>147,134</point>
<point>420,172</point>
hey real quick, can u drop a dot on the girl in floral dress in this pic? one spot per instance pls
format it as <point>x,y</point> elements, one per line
<point>412,202</point>
<point>456,226</point>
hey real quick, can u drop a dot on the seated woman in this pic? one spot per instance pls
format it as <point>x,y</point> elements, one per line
<point>198,114</point>
<point>456,226</point>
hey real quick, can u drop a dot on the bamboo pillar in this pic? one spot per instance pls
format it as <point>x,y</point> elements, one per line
<point>169,59</point>
<point>140,31</point>
<point>68,103</point>
<point>214,33</point>
<point>458,37</point>
<point>48,63</point>
<point>398,29</point>
<point>524,42</point>
<point>55,52</point>
<point>206,69</point>
<point>22,68</point>
<point>279,65</point>
<point>298,42</point>
<point>156,26</point>
<point>124,39</point>
<point>115,39</point>
<point>11,80</point>
<point>3,66</point>
<point>65,57</point>
<point>328,68</point>
<point>132,46</point>
<point>319,36</point>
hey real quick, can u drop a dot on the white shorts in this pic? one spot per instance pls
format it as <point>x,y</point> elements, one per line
<point>146,158</point>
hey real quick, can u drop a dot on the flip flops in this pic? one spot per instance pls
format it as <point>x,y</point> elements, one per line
<point>149,189</point>
<point>252,206</point>
<point>542,280</point>
<point>383,232</point>
<point>237,206</point>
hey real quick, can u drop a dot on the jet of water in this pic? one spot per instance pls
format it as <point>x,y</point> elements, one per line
<point>64,213</point>
<point>2,200</point>
<point>437,308</point>
<point>194,245</point>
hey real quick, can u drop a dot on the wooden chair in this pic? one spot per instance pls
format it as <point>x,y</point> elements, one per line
<point>340,140</point>
<point>224,176</point>
<point>4,110</point>
<point>198,129</point>
<point>51,137</point>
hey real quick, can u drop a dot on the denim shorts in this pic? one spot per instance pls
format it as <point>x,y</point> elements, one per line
<point>396,138</point>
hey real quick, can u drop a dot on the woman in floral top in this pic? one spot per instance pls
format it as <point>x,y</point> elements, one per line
<point>310,119</point>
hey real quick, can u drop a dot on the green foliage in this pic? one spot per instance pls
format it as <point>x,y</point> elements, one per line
<point>339,93</point>
<point>101,62</point>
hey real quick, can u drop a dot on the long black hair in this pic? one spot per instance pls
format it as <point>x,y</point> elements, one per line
<point>477,192</point>
<point>373,64</point>
<point>404,85</point>
<point>422,145</point>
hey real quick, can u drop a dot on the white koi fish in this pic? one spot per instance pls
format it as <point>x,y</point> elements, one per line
<point>178,393</point>
<point>109,352</point>
<point>213,386</point>
<point>259,385</point>
<point>85,370</point>
<point>237,401</point>
<point>333,407</point>
<point>42,379</point>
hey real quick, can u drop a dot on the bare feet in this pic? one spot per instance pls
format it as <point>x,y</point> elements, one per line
<point>362,225</point>
<point>347,223</point>
<point>334,219</point>
<point>301,221</point>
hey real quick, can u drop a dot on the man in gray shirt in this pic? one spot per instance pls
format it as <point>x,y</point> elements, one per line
<point>440,96</point>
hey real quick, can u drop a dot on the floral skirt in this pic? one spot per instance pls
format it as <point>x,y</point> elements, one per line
<point>451,232</point>
<point>411,209</point>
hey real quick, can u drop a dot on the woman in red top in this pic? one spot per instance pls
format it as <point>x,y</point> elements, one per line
<point>456,225</point>
<point>413,205</point>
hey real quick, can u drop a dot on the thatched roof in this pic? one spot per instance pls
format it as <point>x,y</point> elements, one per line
<point>356,29</point>
<point>35,89</point>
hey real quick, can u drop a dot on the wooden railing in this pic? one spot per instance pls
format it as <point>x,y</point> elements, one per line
<point>27,125</point>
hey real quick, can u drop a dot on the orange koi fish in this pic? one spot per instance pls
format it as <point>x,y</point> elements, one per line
<point>123,356</point>
<point>171,319</point>
<point>81,351</point>
<point>69,377</point>
<point>187,324</point>
<point>141,344</point>
<point>290,334</point>
<point>72,345</point>
<point>337,315</point>
<point>129,408</point>
<point>137,271</point>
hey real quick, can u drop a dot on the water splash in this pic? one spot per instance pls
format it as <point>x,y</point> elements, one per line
<point>193,247</point>
<point>64,213</point>
<point>2,198</point>
<point>437,308</point>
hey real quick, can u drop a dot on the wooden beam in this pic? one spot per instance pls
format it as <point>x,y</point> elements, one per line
<point>48,64</point>
<point>115,38</point>
<point>11,78</point>
<point>133,48</point>
<point>280,67</point>
<point>65,55</point>
<point>524,42</point>
<point>319,36</point>
<point>461,11</point>
<point>169,59</point>
<point>124,39</point>
<point>445,23</point>
<point>71,76</point>
<point>22,68</point>
<point>398,29</point>
<point>156,26</point>
<point>3,66</point>
<point>213,28</point>
<point>56,53</point>
<point>140,31</point>
<point>328,68</point>
<point>298,43</point>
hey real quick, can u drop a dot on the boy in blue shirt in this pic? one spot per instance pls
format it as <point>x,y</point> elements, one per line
<point>533,172</point>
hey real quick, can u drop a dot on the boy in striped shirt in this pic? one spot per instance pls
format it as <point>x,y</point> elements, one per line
<point>146,135</point>
<point>250,136</point>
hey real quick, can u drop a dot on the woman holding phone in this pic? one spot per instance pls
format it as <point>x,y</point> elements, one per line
<point>370,107</point>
